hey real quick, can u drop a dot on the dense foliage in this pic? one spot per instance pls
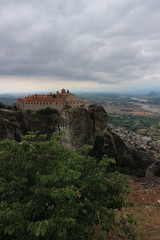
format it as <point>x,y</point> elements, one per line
<point>47,111</point>
<point>48,192</point>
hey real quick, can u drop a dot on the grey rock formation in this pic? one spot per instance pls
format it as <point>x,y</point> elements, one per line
<point>10,127</point>
<point>14,124</point>
<point>78,125</point>
<point>81,126</point>
<point>153,170</point>
<point>99,118</point>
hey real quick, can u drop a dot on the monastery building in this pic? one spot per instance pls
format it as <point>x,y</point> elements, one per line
<point>59,101</point>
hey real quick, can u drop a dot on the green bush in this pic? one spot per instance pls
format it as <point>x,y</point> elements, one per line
<point>48,111</point>
<point>28,111</point>
<point>48,192</point>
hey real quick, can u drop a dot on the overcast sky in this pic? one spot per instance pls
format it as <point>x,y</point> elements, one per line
<point>91,45</point>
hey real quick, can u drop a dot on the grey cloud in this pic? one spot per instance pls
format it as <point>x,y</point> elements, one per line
<point>103,41</point>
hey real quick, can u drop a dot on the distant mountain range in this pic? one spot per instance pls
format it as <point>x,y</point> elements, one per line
<point>153,94</point>
<point>8,101</point>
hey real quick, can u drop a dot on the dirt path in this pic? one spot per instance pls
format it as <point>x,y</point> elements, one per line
<point>146,196</point>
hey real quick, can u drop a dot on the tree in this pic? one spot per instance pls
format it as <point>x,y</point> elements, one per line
<point>48,192</point>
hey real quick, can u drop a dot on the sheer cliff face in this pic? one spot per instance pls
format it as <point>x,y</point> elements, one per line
<point>81,126</point>
<point>78,125</point>
<point>13,124</point>
<point>10,127</point>
<point>99,118</point>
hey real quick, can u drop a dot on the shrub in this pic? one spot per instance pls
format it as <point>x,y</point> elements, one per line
<point>48,192</point>
<point>48,111</point>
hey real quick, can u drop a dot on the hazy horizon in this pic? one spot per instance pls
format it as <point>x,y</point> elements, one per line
<point>17,94</point>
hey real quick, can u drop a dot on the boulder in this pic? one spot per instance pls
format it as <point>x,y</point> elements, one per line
<point>153,170</point>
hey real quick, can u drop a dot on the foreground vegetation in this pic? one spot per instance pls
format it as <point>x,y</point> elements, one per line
<point>48,192</point>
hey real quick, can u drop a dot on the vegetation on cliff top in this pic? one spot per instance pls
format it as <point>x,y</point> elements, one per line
<point>48,192</point>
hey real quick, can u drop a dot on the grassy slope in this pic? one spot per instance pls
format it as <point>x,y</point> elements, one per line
<point>146,209</point>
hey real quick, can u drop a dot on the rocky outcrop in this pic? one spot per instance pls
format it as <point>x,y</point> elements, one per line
<point>81,126</point>
<point>15,124</point>
<point>99,118</point>
<point>114,145</point>
<point>10,127</point>
<point>78,125</point>
<point>153,170</point>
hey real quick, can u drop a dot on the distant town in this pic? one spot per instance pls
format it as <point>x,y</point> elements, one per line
<point>138,141</point>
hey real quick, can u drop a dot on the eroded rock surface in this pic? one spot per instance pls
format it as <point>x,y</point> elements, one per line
<point>78,125</point>
<point>82,127</point>
<point>78,128</point>
<point>153,170</point>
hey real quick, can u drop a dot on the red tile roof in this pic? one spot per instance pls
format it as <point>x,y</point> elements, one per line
<point>50,98</point>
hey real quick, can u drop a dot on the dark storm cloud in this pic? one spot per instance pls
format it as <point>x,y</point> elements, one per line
<point>106,41</point>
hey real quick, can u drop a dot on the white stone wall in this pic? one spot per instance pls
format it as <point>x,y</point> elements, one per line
<point>35,106</point>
